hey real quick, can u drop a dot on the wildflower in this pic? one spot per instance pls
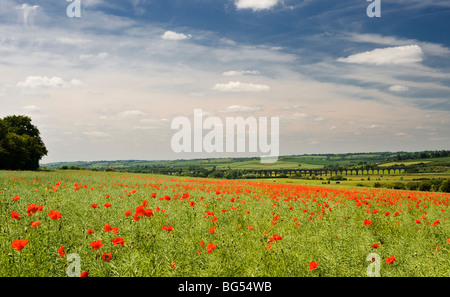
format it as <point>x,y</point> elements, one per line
<point>33,208</point>
<point>106,257</point>
<point>84,274</point>
<point>376,245</point>
<point>61,251</point>
<point>96,244</point>
<point>16,198</point>
<point>118,240</point>
<point>437,222</point>
<point>391,259</point>
<point>54,215</point>
<point>367,222</point>
<point>19,244</point>
<point>313,265</point>
<point>90,231</point>
<point>107,204</point>
<point>35,224</point>
<point>128,213</point>
<point>210,247</point>
<point>15,215</point>
<point>93,205</point>
<point>192,203</point>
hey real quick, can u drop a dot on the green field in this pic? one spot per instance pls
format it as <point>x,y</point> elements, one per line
<point>184,226</point>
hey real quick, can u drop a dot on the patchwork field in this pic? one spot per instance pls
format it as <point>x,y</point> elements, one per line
<point>120,224</point>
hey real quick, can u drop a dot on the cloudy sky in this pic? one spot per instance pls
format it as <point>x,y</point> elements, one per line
<point>108,84</point>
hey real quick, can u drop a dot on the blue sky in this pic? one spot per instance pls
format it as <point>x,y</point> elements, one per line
<point>107,85</point>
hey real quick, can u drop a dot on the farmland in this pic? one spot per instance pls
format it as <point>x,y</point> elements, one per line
<point>129,224</point>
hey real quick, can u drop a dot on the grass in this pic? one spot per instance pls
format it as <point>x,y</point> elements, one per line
<point>322,223</point>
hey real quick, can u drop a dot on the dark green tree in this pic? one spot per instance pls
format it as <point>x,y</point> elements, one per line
<point>21,146</point>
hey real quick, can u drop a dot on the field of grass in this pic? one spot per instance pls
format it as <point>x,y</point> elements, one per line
<point>122,224</point>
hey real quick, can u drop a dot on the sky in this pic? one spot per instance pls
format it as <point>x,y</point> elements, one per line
<point>107,84</point>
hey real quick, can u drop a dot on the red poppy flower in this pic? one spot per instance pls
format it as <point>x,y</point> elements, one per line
<point>19,244</point>
<point>210,247</point>
<point>435,223</point>
<point>313,265</point>
<point>250,227</point>
<point>54,215</point>
<point>212,230</point>
<point>94,205</point>
<point>107,228</point>
<point>173,265</point>
<point>367,222</point>
<point>84,274</point>
<point>16,198</point>
<point>15,215</point>
<point>192,203</point>
<point>35,224</point>
<point>148,212</point>
<point>391,259</point>
<point>118,240</point>
<point>202,243</point>
<point>128,213</point>
<point>376,245</point>
<point>96,244</point>
<point>107,204</point>
<point>90,231</point>
<point>32,209</point>
<point>61,251</point>
<point>106,257</point>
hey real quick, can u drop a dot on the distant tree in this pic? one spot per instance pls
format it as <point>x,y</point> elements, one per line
<point>21,146</point>
<point>445,186</point>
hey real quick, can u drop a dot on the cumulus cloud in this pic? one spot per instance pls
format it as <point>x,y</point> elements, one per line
<point>398,88</point>
<point>131,114</point>
<point>236,86</point>
<point>45,82</point>
<point>240,109</point>
<point>170,35</point>
<point>240,72</point>
<point>255,5</point>
<point>407,54</point>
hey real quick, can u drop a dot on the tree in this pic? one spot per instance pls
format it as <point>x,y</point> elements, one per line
<point>21,146</point>
<point>445,186</point>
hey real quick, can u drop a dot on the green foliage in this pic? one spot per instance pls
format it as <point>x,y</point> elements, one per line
<point>445,186</point>
<point>21,146</point>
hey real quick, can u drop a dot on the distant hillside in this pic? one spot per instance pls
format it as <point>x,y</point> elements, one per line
<point>425,161</point>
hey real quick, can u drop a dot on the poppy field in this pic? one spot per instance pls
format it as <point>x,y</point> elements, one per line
<point>121,224</point>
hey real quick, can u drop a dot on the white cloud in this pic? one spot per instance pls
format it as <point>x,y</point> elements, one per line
<point>45,82</point>
<point>398,88</point>
<point>407,54</point>
<point>239,109</point>
<point>170,35</point>
<point>96,134</point>
<point>240,72</point>
<point>255,5</point>
<point>428,47</point>
<point>237,86</point>
<point>131,114</point>
<point>73,41</point>
<point>28,12</point>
